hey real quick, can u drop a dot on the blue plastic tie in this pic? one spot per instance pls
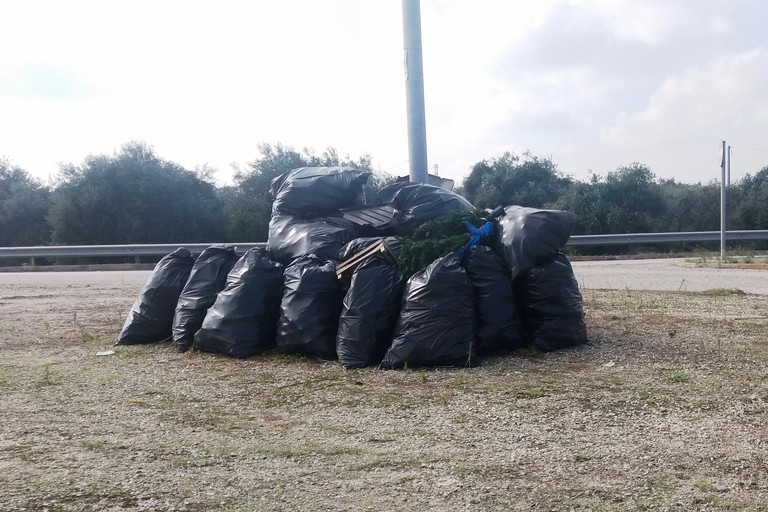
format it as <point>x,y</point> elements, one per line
<point>477,235</point>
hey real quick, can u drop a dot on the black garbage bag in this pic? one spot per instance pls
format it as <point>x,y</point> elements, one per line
<point>310,308</point>
<point>436,326</point>
<point>554,310</point>
<point>291,237</point>
<point>369,313</point>
<point>317,191</point>
<point>208,277</point>
<point>529,236</point>
<point>151,316</point>
<point>418,203</point>
<point>242,321</point>
<point>499,321</point>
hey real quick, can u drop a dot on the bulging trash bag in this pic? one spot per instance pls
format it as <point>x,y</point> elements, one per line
<point>499,321</point>
<point>554,310</point>
<point>369,313</point>
<point>310,308</point>
<point>418,203</point>
<point>291,237</point>
<point>151,316</point>
<point>529,236</point>
<point>436,326</point>
<point>243,319</point>
<point>208,277</point>
<point>317,191</point>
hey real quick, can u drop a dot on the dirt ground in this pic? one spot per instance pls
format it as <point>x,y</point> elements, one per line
<point>665,409</point>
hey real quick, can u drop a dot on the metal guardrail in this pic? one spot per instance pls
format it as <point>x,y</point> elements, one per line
<point>130,250</point>
<point>661,238</point>
<point>138,250</point>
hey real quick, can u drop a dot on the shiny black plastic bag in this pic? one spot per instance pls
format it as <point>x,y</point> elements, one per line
<point>208,277</point>
<point>151,316</point>
<point>243,319</point>
<point>554,309</point>
<point>291,237</point>
<point>317,191</point>
<point>418,203</point>
<point>499,322</point>
<point>369,313</point>
<point>310,308</point>
<point>530,236</point>
<point>436,326</point>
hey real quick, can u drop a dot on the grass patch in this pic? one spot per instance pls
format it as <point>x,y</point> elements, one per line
<point>581,457</point>
<point>679,377</point>
<point>45,378</point>
<point>722,292</point>
<point>530,392</point>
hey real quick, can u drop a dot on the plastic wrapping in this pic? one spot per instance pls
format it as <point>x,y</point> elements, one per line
<point>554,309</point>
<point>208,277</point>
<point>242,321</point>
<point>369,313</point>
<point>530,236</point>
<point>317,191</point>
<point>290,237</point>
<point>499,321</point>
<point>310,308</point>
<point>418,203</point>
<point>436,326</point>
<point>151,317</point>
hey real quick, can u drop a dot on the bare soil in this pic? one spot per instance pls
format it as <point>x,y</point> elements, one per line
<point>665,409</point>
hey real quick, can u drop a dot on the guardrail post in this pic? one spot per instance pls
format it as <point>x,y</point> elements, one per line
<point>722,205</point>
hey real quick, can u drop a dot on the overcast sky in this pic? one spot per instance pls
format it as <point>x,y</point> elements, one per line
<point>594,85</point>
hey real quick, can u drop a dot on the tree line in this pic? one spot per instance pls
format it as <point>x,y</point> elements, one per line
<point>134,196</point>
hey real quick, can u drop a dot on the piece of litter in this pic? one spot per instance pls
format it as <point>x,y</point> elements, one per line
<point>609,364</point>
<point>106,353</point>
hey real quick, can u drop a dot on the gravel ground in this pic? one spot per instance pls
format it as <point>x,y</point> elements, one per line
<point>665,409</point>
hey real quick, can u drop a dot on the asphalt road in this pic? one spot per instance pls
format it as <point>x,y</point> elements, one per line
<point>80,278</point>
<point>666,274</point>
<point>660,274</point>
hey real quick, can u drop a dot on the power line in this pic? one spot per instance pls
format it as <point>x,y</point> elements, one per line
<point>745,147</point>
<point>707,164</point>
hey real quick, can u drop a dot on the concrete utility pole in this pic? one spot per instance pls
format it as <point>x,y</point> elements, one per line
<point>414,91</point>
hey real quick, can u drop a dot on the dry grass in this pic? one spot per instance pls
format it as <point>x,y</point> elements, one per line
<point>738,261</point>
<point>665,409</point>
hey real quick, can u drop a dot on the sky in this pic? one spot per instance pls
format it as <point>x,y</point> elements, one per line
<point>592,85</point>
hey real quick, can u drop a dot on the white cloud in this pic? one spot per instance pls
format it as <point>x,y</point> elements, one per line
<point>643,21</point>
<point>594,84</point>
<point>713,102</point>
<point>604,84</point>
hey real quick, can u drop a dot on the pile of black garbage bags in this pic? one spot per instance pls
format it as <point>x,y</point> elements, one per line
<point>328,284</point>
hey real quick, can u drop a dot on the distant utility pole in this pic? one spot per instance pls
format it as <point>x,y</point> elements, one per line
<point>725,163</point>
<point>414,91</point>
